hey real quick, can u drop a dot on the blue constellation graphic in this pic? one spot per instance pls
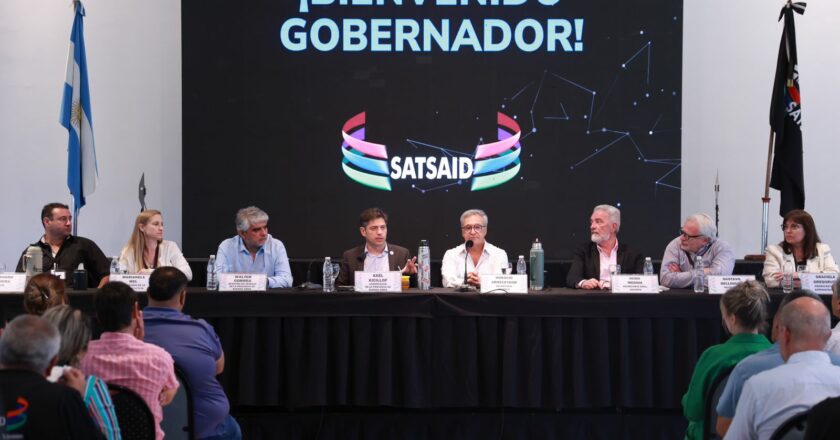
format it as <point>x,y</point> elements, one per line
<point>447,152</point>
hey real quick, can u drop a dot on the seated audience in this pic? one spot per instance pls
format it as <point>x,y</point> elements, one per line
<point>121,357</point>
<point>376,255</point>
<point>75,335</point>
<point>801,247</point>
<point>754,364</point>
<point>807,377</point>
<point>146,250</point>
<point>482,258</point>
<point>64,252</point>
<point>743,309</point>
<point>254,250</point>
<point>591,261</point>
<point>42,292</point>
<point>833,344</point>
<point>697,237</point>
<point>35,408</point>
<point>196,349</point>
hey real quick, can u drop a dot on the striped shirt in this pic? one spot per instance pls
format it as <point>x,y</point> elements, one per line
<point>101,408</point>
<point>146,369</point>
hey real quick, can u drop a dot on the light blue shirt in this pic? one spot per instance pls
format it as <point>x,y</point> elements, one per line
<point>271,259</point>
<point>747,368</point>
<point>377,263</point>
<point>773,396</point>
<point>718,257</point>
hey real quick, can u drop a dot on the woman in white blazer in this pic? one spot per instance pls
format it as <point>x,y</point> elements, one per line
<point>801,247</point>
<point>146,250</point>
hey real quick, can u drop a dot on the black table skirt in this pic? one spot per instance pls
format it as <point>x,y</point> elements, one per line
<point>562,350</point>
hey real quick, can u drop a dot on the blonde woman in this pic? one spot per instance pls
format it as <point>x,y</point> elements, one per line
<point>147,250</point>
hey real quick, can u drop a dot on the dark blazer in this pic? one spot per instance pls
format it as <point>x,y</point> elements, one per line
<point>586,263</point>
<point>354,259</point>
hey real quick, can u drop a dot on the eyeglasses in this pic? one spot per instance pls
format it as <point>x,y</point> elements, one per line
<point>687,236</point>
<point>476,228</point>
<point>792,227</point>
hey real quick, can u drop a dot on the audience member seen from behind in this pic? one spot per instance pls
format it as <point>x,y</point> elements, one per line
<point>146,250</point>
<point>75,336</point>
<point>35,408</point>
<point>194,345</point>
<point>800,247</point>
<point>121,357</point>
<point>743,310</point>
<point>42,292</point>
<point>833,344</point>
<point>807,377</point>
<point>64,252</point>
<point>698,237</point>
<point>755,363</point>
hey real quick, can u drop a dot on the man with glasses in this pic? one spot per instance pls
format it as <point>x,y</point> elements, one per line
<point>697,237</point>
<point>64,252</point>
<point>591,262</point>
<point>482,258</point>
<point>376,255</point>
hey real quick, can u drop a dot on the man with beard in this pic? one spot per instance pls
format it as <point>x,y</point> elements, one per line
<point>591,262</point>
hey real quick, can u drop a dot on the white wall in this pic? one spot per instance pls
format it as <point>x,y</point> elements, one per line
<point>134,58</point>
<point>729,60</point>
<point>134,63</point>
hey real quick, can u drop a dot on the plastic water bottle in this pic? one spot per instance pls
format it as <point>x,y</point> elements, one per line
<point>328,276</point>
<point>212,281</point>
<point>648,266</point>
<point>424,270</point>
<point>537,266</point>
<point>115,265</point>
<point>521,266</point>
<point>699,275</point>
<point>787,279</point>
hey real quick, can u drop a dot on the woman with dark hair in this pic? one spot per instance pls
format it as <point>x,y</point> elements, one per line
<point>75,335</point>
<point>42,292</point>
<point>801,247</point>
<point>743,309</point>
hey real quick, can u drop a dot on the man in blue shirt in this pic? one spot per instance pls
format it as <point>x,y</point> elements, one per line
<point>196,349</point>
<point>254,250</point>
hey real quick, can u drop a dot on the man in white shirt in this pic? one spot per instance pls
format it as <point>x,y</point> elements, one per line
<point>483,257</point>
<point>833,344</point>
<point>807,377</point>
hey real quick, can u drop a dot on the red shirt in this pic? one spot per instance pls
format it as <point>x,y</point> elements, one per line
<point>122,359</point>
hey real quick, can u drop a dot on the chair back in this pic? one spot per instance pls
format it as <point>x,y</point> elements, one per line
<point>792,428</point>
<point>712,398</point>
<point>134,416</point>
<point>177,421</point>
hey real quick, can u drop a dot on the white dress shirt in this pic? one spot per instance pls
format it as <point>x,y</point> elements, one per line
<point>773,396</point>
<point>606,261</point>
<point>168,255</point>
<point>833,344</point>
<point>492,260</point>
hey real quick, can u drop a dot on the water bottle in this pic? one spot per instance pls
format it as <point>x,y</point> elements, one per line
<point>521,267</point>
<point>699,275</point>
<point>33,261</point>
<point>648,266</point>
<point>424,269</point>
<point>80,279</point>
<point>115,265</point>
<point>787,279</point>
<point>212,281</point>
<point>537,266</point>
<point>328,276</point>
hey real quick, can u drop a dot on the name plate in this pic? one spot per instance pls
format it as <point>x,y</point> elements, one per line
<point>631,283</point>
<point>12,282</point>
<point>241,282</point>
<point>378,281</point>
<point>818,282</point>
<point>138,282</point>
<point>503,283</point>
<point>719,284</point>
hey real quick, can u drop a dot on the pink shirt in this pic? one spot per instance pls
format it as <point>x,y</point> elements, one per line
<point>122,359</point>
<point>607,260</point>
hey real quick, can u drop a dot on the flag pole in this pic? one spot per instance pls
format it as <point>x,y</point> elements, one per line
<point>765,201</point>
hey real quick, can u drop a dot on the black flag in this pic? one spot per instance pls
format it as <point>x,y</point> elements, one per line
<point>786,119</point>
<point>141,190</point>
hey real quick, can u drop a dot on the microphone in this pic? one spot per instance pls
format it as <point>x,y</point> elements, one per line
<point>308,284</point>
<point>467,246</point>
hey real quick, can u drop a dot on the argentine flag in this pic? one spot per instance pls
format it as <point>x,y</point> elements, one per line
<point>82,171</point>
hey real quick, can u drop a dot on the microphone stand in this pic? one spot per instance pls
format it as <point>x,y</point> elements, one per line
<point>308,284</point>
<point>466,287</point>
